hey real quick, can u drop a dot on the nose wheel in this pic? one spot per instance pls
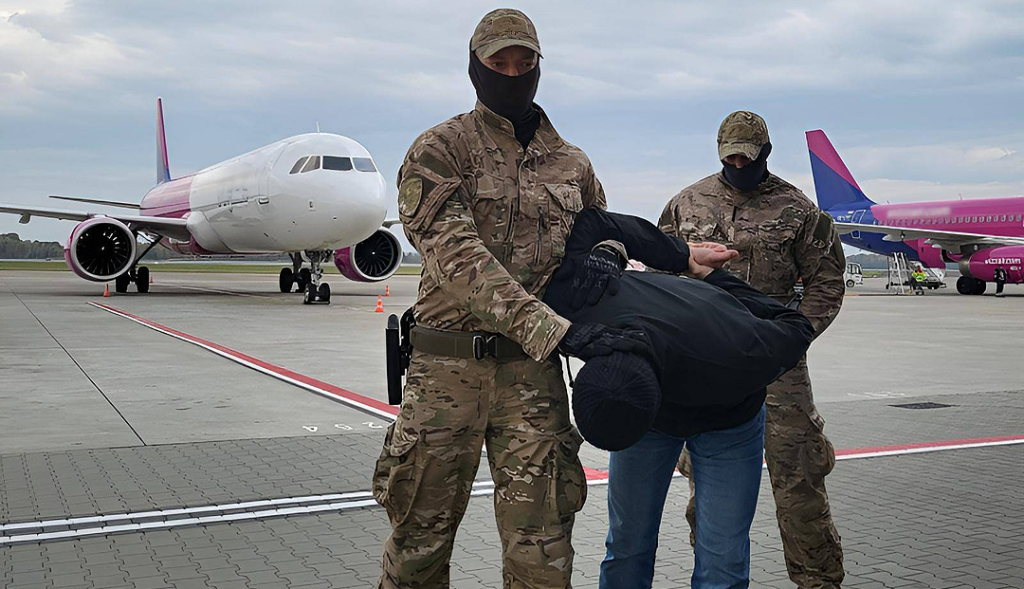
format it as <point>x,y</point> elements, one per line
<point>316,291</point>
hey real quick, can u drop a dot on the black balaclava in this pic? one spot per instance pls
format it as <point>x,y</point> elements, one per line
<point>749,176</point>
<point>510,97</point>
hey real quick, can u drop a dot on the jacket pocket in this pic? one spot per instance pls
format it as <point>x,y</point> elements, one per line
<point>568,202</point>
<point>397,474</point>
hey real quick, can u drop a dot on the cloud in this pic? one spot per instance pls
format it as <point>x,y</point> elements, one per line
<point>911,93</point>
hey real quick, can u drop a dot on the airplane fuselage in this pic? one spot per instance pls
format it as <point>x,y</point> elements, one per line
<point>256,203</point>
<point>990,216</point>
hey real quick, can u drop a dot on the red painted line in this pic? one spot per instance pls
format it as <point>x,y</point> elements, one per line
<point>928,446</point>
<point>348,397</point>
<point>594,476</point>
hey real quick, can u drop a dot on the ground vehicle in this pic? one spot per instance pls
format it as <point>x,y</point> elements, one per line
<point>853,275</point>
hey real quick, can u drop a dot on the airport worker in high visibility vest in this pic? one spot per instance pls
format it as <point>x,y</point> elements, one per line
<point>919,277</point>
<point>781,235</point>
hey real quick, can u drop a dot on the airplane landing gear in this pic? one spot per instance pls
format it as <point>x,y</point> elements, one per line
<point>286,280</point>
<point>296,276</point>
<point>315,292</point>
<point>970,286</point>
<point>142,279</point>
<point>139,275</point>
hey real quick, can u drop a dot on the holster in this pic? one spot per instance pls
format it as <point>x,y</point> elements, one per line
<point>398,350</point>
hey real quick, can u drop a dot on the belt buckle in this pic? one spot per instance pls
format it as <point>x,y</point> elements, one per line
<point>485,346</point>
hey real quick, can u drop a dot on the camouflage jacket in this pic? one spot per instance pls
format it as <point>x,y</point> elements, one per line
<point>490,221</point>
<point>780,234</point>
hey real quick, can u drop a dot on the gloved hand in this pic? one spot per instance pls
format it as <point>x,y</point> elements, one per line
<point>588,340</point>
<point>599,273</point>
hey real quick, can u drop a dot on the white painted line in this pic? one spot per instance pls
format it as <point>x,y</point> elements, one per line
<point>923,450</point>
<point>160,513</point>
<point>356,500</point>
<point>177,523</point>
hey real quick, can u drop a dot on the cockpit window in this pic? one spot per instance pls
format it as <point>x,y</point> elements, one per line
<point>298,165</point>
<point>312,164</point>
<point>333,162</point>
<point>364,164</point>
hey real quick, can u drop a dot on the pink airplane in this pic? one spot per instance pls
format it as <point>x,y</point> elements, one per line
<point>981,235</point>
<point>315,197</point>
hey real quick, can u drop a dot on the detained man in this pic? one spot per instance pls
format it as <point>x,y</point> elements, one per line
<point>692,373</point>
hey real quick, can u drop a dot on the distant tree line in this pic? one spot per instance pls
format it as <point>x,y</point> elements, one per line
<point>13,248</point>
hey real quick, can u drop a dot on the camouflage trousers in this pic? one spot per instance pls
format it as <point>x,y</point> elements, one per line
<point>799,455</point>
<point>451,407</point>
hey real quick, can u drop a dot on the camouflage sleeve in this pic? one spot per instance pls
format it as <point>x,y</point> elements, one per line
<point>440,225</point>
<point>820,261</point>
<point>667,221</point>
<point>591,189</point>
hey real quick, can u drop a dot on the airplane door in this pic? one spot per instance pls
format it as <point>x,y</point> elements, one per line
<point>264,181</point>
<point>857,217</point>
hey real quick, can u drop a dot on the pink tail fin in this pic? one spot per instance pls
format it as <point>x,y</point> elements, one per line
<point>163,172</point>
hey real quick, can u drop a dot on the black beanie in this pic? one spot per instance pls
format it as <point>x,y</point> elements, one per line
<point>615,399</point>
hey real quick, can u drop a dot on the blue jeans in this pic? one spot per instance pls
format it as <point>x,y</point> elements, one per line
<point>726,478</point>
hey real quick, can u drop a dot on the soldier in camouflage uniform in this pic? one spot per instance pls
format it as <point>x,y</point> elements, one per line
<point>781,236</point>
<point>489,208</point>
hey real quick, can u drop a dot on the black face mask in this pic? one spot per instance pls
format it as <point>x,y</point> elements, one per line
<point>749,176</point>
<point>510,97</point>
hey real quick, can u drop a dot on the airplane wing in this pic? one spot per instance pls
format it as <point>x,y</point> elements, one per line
<point>97,201</point>
<point>947,240</point>
<point>167,227</point>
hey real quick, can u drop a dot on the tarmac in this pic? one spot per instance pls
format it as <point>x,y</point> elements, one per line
<point>218,433</point>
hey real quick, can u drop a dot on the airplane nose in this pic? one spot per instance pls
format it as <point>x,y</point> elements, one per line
<point>360,210</point>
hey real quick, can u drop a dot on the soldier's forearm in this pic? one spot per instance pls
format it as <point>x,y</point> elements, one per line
<point>821,310</point>
<point>467,272</point>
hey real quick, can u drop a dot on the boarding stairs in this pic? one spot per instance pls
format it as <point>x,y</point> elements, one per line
<point>898,273</point>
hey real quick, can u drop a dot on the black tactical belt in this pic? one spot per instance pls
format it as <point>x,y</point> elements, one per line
<point>465,344</point>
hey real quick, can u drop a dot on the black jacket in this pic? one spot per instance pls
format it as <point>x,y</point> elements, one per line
<point>718,342</point>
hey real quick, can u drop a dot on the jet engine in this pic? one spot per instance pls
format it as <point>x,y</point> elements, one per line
<point>374,259</point>
<point>100,249</point>
<point>982,264</point>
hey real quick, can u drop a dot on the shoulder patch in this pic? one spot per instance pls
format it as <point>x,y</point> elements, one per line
<point>410,193</point>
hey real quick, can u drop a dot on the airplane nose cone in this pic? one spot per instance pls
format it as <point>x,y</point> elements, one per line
<point>358,211</point>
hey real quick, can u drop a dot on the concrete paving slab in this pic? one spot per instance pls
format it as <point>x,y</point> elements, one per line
<point>225,433</point>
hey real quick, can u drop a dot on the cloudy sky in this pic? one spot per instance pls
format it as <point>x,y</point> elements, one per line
<point>924,100</point>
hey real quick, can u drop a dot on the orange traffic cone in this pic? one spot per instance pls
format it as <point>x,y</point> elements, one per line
<point>380,306</point>
<point>106,290</point>
<point>151,279</point>
<point>387,291</point>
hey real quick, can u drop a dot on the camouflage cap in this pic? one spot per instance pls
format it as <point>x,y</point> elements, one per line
<point>742,132</point>
<point>503,28</point>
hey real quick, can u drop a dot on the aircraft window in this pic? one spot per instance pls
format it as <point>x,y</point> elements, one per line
<point>342,164</point>
<point>312,164</point>
<point>364,164</point>
<point>989,219</point>
<point>1002,217</point>
<point>298,165</point>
